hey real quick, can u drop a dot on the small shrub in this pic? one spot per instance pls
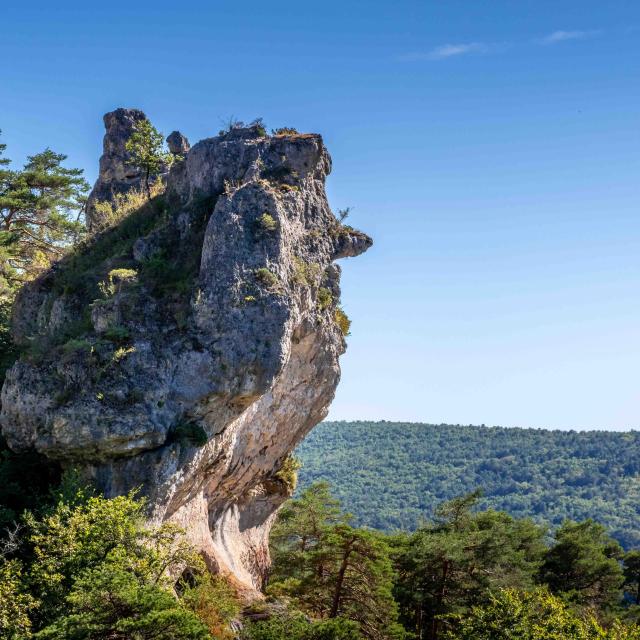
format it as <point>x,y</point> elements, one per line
<point>285,188</point>
<point>259,125</point>
<point>324,298</point>
<point>343,214</point>
<point>117,279</point>
<point>121,353</point>
<point>215,603</point>
<point>76,346</point>
<point>189,432</point>
<point>305,273</point>
<point>231,186</point>
<point>266,222</point>
<point>284,131</point>
<point>230,124</point>
<point>123,276</point>
<point>110,214</point>
<point>288,472</point>
<point>343,322</point>
<point>117,334</point>
<point>265,277</point>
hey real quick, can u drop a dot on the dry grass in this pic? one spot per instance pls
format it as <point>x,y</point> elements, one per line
<point>109,214</point>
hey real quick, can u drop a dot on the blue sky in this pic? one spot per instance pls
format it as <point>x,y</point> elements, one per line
<point>492,150</point>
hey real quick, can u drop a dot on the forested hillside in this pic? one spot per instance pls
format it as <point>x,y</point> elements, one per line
<point>390,475</point>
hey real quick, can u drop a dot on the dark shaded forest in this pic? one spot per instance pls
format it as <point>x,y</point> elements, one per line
<point>391,475</point>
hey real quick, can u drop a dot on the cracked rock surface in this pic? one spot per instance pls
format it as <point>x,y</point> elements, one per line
<point>190,348</point>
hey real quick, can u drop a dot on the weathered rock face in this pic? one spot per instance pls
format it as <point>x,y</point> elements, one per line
<point>177,143</point>
<point>189,349</point>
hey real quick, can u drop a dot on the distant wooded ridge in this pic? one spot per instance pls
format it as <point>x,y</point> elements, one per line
<point>390,475</point>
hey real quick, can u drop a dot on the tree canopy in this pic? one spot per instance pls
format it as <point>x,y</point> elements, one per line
<point>391,475</point>
<point>40,215</point>
<point>147,150</point>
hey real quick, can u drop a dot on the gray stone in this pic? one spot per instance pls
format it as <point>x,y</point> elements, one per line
<point>177,143</point>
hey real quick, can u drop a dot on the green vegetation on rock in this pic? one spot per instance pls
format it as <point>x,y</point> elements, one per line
<point>147,150</point>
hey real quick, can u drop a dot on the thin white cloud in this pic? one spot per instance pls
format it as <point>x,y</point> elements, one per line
<point>446,51</point>
<point>465,48</point>
<point>450,50</point>
<point>563,36</point>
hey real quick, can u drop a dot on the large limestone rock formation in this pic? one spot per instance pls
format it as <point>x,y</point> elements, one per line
<point>188,349</point>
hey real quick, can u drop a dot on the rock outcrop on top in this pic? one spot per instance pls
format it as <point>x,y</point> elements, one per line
<point>117,173</point>
<point>188,349</point>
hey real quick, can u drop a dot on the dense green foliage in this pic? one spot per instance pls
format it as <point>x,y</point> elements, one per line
<point>147,151</point>
<point>391,475</point>
<point>451,564</point>
<point>330,569</point>
<point>534,615</point>
<point>299,627</point>
<point>37,205</point>
<point>40,210</point>
<point>584,564</point>
<point>464,574</point>
<point>84,567</point>
<point>88,568</point>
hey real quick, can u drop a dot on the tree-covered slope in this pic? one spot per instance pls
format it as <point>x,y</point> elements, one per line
<point>390,475</point>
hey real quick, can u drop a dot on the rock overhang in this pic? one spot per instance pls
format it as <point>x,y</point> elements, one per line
<point>196,378</point>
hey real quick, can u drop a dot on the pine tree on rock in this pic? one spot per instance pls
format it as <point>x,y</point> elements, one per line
<point>147,149</point>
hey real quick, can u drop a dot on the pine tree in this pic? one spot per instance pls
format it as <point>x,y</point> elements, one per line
<point>583,566</point>
<point>331,569</point>
<point>40,207</point>
<point>631,566</point>
<point>302,524</point>
<point>359,580</point>
<point>147,151</point>
<point>450,565</point>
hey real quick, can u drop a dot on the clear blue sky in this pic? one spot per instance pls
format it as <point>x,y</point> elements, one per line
<point>492,150</point>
